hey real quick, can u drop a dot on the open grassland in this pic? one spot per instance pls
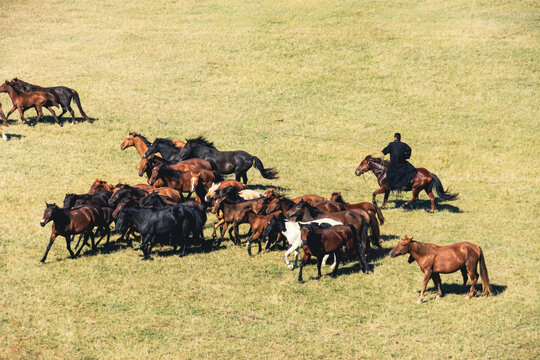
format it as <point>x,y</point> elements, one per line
<point>460,81</point>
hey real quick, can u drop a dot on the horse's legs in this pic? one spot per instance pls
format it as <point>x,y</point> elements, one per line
<point>72,114</point>
<point>335,265</point>
<point>244,177</point>
<point>427,276</point>
<point>464,274</point>
<point>63,111</point>
<point>305,258</point>
<point>294,248</point>
<point>236,233</point>
<point>51,241</point>
<point>432,199</point>
<point>386,194</point>
<point>54,116</point>
<point>437,281</point>
<point>237,176</point>
<point>362,258</point>
<point>415,193</point>
<point>216,225</point>
<point>11,111</point>
<point>68,246</point>
<point>319,263</point>
<point>377,192</point>
<point>471,270</point>
<point>21,113</point>
<point>223,230</point>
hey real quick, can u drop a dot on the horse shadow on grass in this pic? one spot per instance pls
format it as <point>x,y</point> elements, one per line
<point>385,238</point>
<point>48,119</point>
<point>14,137</point>
<point>459,289</point>
<point>426,205</point>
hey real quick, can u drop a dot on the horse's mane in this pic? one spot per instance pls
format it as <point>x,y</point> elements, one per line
<point>173,173</point>
<point>312,209</point>
<point>165,141</point>
<point>200,140</point>
<point>380,161</point>
<point>143,138</point>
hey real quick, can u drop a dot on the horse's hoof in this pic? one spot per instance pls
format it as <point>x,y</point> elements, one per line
<point>437,297</point>
<point>419,301</point>
<point>5,137</point>
<point>42,262</point>
<point>290,267</point>
<point>317,278</point>
<point>467,297</point>
<point>301,281</point>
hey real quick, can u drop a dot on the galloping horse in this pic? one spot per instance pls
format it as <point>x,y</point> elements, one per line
<point>141,143</point>
<point>434,260</point>
<point>24,101</point>
<point>424,180</point>
<point>227,162</point>
<point>62,95</point>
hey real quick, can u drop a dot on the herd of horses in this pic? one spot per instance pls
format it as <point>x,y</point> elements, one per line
<point>161,211</point>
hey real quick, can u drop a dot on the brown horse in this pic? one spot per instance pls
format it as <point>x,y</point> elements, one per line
<point>214,188</point>
<point>424,180</point>
<point>100,185</point>
<point>257,225</point>
<point>5,123</point>
<point>183,181</point>
<point>371,208</point>
<point>141,143</point>
<point>434,260</point>
<point>24,101</point>
<point>319,242</point>
<point>147,164</point>
<point>68,222</point>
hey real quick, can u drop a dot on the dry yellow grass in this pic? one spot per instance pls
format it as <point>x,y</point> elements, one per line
<point>459,80</point>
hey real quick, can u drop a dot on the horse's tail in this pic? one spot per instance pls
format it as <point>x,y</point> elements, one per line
<point>486,287</point>
<point>375,231</point>
<point>269,173</point>
<point>379,213</point>
<point>78,102</point>
<point>443,194</point>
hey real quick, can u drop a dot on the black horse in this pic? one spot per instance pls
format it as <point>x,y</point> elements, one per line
<point>62,94</point>
<point>227,162</point>
<point>174,222</point>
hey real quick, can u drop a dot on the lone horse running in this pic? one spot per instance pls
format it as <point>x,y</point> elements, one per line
<point>424,180</point>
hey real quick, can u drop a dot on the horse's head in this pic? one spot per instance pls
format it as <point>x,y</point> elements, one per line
<point>122,220</point>
<point>336,196</point>
<point>296,210</point>
<point>402,247</point>
<point>273,205</point>
<point>271,193</point>
<point>48,213</point>
<point>194,181</point>
<point>211,192</point>
<point>4,86</point>
<point>128,141</point>
<point>260,204</point>
<point>305,230</point>
<point>187,151</point>
<point>217,204</point>
<point>156,170</point>
<point>363,167</point>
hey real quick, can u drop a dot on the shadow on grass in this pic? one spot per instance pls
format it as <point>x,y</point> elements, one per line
<point>459,289</point>
<point>389,237</point>
<point>14,136</point>
<point>426,205</point>
<point>48,119</point>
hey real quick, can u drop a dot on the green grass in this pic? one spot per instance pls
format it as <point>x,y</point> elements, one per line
<point>458,79</point>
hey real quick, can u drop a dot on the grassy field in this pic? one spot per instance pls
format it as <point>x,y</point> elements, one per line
<point>458,79</point>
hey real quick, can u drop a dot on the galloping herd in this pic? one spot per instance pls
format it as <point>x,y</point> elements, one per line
<point>161,210</point>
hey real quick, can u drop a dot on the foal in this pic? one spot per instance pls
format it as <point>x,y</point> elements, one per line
<point>447,259</point>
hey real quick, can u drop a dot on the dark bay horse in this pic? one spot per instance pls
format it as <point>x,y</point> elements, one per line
<point>227,162</point>
<point>371,208</point>
<point>68,222</point>
<point>141,143</point>
<point>434,260</point>
<point>424,180</point>
<point>62,95</point>
<point>24,101</point>
<point>320,241</point>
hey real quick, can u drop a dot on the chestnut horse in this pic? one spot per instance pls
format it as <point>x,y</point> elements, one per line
<point>141,143</point>
<point>311,198</point>
<point>371,208</point>
<point>24,101</point>
<point>424,180</point>
<point>5,123</point>
<point>434,260</point>
<point>147,164</point>
<point>211,193</point>
<point>62,94</point>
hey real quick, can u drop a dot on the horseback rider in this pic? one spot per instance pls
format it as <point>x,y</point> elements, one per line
<point>400,172</point>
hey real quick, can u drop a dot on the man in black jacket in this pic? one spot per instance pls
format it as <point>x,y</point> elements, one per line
<point>400,172</point>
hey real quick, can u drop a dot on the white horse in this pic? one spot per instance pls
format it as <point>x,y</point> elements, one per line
<point>246,194</point>
<point>291,231</point>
